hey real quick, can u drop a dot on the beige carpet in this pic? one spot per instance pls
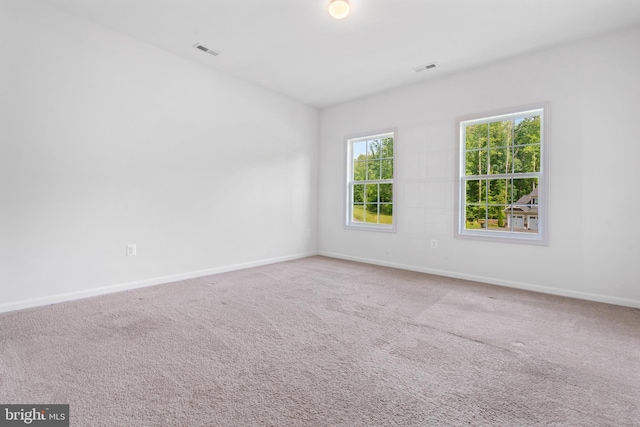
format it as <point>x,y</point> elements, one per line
<point>322,342</point>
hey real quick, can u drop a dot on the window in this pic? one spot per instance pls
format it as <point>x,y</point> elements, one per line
<point>502,190</point>
<point>370,168</point>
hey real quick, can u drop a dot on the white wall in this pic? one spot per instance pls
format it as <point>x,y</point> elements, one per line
<point>107,141</point>
<point>594,92</point>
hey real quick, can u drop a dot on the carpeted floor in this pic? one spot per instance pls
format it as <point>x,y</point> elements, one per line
<point>324,342</point>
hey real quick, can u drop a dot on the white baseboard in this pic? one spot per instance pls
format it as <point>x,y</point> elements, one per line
<point>70,296</point>
<point>492,281</point>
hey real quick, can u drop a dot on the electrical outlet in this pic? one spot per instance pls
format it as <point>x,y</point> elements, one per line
<point>131,249</point>
<point>308,232</point>
<point>434,244</point>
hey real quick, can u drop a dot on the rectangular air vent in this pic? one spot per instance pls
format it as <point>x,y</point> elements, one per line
<point>425,67</point>
<point>205,49</point>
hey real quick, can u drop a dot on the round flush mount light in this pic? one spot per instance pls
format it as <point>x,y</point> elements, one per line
<point>339,8</point>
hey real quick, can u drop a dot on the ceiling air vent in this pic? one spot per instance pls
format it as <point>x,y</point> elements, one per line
<point>425,67</point>
<point>205,49</point>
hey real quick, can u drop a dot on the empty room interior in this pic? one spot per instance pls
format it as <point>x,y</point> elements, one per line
<point>320,213</point>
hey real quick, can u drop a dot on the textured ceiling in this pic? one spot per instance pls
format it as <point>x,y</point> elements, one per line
<point>294,47</point>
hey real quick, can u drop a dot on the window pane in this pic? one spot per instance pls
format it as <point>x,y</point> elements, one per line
<point>508,188</point>
<point>497,218</point>
<point>476,191</point>
<point>372,193</point>
<point>527,130</point>
<point>359,170</point>
<point>499,191</point>
<point>475,217</point>
<point>374,148</point>
<point>500,133</point>
<point>476,136</point>
<point>387,147</point>
<point>387,169</point>
<point>358,213</point>
<point>373,169</point>
<point>386,195</point>
<point>359,150</point>
<point>508,214</point>
<point>527,158</point>
<point>358,193</point>
<point>522,219</point>
<point>525,191</point>
<point>500,160</point>
<point>476,162</point>
<point>371,213</point>
<point>386,213</point>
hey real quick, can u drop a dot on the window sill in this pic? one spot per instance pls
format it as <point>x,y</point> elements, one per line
<point>371,227</point>
<point>502,237</point>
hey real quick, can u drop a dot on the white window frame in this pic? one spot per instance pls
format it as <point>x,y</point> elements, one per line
<point>486,234</point>
<point>349,141</point>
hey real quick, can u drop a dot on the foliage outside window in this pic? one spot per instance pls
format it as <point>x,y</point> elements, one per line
<point>502,193</point>
<point>370,182</point>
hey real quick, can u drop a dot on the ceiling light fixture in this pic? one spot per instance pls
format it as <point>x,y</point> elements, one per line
<point>339,8</point>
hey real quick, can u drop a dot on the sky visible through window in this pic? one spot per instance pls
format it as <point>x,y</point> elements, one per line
<point>359,148</point>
